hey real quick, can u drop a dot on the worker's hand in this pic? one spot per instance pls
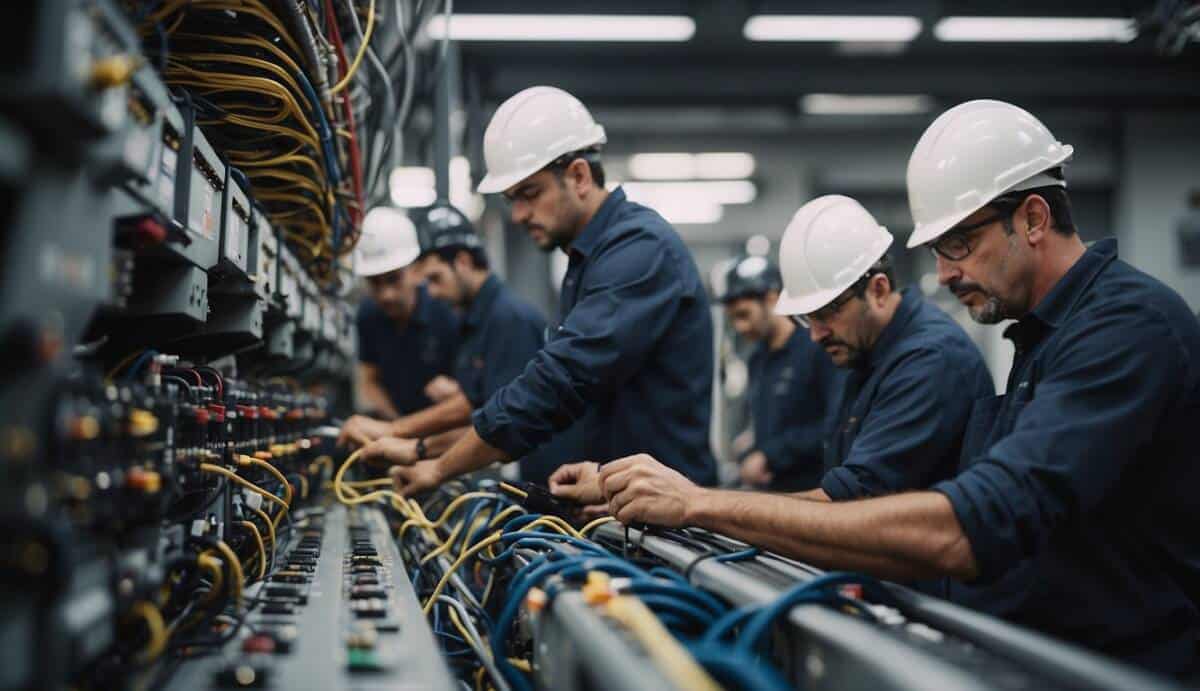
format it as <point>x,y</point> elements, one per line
<point>639,489</point>
<point>408,480</point>
<point>360,429</point>
<point>391,450</point>
<point>441,387</point>
<point>755,471</point>
<point>580,483</point>
<point>743,442</point>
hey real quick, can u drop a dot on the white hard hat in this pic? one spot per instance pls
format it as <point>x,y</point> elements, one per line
<point>971,154</point>
<point>830,243</point>
<point>388,242</point>
<point>530,130</point>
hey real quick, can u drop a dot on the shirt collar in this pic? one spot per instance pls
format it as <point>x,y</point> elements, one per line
<point>890,336</point>
<point>482,303</point>
<point>594,231</point>
<point>1060,302</point>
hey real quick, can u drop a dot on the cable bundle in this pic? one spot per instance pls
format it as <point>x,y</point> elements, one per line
<point>282,92</point>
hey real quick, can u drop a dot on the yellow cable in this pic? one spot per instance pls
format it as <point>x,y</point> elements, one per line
<point>235,566</point>
<point>157,628</point>
<point>513,489</point>
<point>210,468</point>
<point>303,486</point>
<point>262,551</point>
<point>213,565</point>
<point>444,547</point>
<point>259,463</point>
<point>262,515</point>
<point>595,524</point>
<point>362,50</point>
<point>454,567</point>
<point>671,657</point>
<point>462,631</point>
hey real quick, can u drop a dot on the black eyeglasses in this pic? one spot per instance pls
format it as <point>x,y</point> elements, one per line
<point>829,311</point>
<point>956,244</point>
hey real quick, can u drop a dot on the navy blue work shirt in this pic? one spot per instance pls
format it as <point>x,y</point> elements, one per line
<point>634,351</point>
<point>1080,486</point>
<point>409,355</point>
<point>790,397</point>
<point>500,334</point>
<point>903,411</point>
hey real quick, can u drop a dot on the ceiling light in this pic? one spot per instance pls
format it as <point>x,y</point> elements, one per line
<point>1031,29</point>
<point>697,192</point>
<point>412,186</point>
<point>831,27</point>
<point>684,214</point>
<point>563,27</point>
<point>677,166</point>
<point>724,166</point>
<point>846,104</point>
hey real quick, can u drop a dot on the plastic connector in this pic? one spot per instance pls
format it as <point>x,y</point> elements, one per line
<point>113,71</point>
<point>252,500</point>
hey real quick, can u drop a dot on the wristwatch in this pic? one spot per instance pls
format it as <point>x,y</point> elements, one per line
<point>421,450</point>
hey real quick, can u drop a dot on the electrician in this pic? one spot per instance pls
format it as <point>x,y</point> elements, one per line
<point>500,333</point>
<point>1074,509</point>
<point>406,339</point>
<point>791,382</point>
<point>633,348</point>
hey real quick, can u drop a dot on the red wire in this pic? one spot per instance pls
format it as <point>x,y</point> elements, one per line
<point>355,152</point>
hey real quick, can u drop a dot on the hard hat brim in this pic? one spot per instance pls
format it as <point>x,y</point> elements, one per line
<point>378,267</point>
<point>789,305</point>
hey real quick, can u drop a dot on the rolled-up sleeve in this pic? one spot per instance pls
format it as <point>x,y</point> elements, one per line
<point>1106,385</point>
<point>914,423</point>
<point>631,294</point>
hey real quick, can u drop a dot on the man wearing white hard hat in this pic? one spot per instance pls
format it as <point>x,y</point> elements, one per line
<point>1077,499</point>
<point>632,350</point>
<point>1074,511</point>
<point>913,374</point>
<point>406,339</point>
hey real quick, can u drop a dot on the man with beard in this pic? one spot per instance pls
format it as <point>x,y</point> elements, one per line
<point>791,382</point>
<point>406,339</point>
<point>1074,509</point>
<point>912,372</point>
<point>499,334</point>
<point>633,348</point>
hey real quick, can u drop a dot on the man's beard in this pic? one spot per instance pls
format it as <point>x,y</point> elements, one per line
<point>992,311</point>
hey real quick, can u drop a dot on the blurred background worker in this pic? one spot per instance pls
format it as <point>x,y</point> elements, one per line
<point>633,350</point>
<point>406,339</point>
<point>791,382</point>
<point>499,334</point>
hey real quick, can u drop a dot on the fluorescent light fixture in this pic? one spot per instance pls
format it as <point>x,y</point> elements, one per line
<point>412,186</point>
<point>831,27</point>
<point>724,166</point>
<point>563,27</point>
<point>709,166</point>
<point>462,193</point>
<point>847,104</point>
<point>662,166</point>
<point>684,214</point>
<point>697,192</point>
<point>758,245</point>
<point>1036,29</point>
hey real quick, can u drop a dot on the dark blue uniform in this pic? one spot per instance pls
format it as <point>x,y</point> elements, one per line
<point>500,334</point>
<point>408,356</point>
<point>634,350</point>
<point>903,412</point>
<point>1081,485</point>
<point>790,393</point>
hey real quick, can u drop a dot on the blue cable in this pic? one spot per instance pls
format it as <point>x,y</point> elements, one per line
<point>815,590</point>
<point>738,669</point>
<point>650,586</point>
<point>138,363</point>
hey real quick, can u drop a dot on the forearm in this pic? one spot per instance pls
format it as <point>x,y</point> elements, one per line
<point>468,454</point>
<point>438,444</point>
<point>904,536</point>
<point>449,414</point>
<point>817,494</point>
